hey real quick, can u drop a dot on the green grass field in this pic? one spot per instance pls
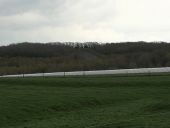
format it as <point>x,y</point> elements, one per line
<point>90,102</point>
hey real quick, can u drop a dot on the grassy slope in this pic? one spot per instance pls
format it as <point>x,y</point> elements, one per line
<point>103,102</point>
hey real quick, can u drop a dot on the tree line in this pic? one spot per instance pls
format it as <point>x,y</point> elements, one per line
<point>73,56</point>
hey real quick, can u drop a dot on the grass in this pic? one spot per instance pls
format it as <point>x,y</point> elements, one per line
<point>92,102</point>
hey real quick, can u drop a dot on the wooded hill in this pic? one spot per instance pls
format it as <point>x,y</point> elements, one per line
<point>52,57</point>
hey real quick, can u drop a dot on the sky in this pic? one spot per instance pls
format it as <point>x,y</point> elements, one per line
<point>84,20</point>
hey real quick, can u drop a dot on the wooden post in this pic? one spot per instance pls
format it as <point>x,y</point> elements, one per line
<point>43,75</point>
<point>84,74</point>
<point>64,74</point>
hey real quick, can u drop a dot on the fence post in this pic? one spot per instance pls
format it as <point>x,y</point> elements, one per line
<point>149,73</point>
<point>127,73</point>
<point>84,73</point>
<point>64,74</point>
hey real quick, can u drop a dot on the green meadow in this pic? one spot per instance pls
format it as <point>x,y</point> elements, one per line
<point>85,102</point>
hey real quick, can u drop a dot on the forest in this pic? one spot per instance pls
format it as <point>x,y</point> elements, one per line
<point>30,57</point>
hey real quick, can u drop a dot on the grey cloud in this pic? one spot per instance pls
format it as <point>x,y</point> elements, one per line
<point>12,7</point>
<point>54,13</point>
<point>83,20</point>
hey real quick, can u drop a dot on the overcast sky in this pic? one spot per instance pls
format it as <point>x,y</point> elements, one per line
<point>84,20</point>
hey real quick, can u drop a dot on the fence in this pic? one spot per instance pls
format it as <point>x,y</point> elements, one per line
<point>99,72</point>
